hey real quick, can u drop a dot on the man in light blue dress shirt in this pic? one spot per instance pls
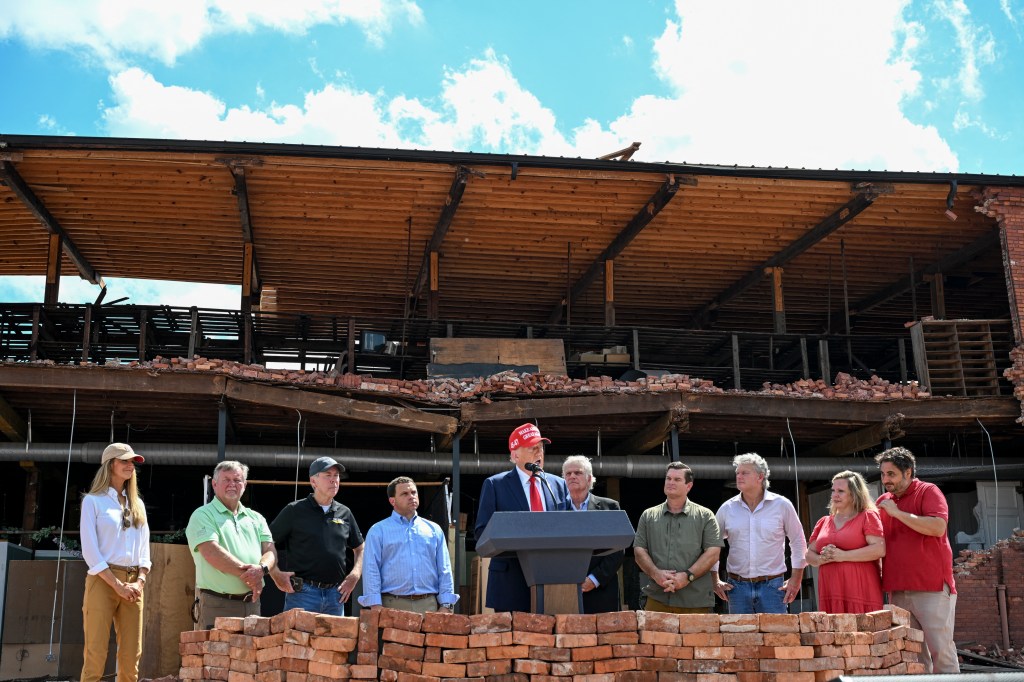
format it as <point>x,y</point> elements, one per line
<point>406,563</point>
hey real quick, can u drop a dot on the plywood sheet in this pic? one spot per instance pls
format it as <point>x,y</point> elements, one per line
<point>547,354</point>
<point>170,590</point>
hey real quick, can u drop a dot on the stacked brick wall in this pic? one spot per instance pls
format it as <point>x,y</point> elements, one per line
<point>977,574</point>
<point>1015,375</point>
<point>1006,205</point>
<point>628,646</point>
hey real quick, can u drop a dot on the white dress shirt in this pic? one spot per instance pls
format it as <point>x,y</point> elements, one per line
<point>105,541</point>
<point>757,539</point>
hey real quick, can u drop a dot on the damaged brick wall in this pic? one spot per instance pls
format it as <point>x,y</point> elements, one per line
<point>977,573</point>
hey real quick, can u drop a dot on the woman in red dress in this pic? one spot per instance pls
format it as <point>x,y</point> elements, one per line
<point>846,547</point>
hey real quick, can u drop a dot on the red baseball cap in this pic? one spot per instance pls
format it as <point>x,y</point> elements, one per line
<point>525,436</point>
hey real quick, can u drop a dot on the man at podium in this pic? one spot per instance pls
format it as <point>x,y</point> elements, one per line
<point>524,488</point>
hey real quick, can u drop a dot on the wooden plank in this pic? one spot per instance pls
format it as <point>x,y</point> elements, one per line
<point>547,354</point>
<point>652,435</point>
<point>104,379</point>
<point>444,221</point>
<point>169,586</point>
<point>609,293</point>
<point>338,406</point>
<point>54,258</point>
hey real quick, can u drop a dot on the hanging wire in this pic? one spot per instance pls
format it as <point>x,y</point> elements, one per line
<point>995,477</point>
<point>63,519</point>
<point>796,479</point>
<point>598,441</point>
<point>298,452</point>
<point>28,441</point>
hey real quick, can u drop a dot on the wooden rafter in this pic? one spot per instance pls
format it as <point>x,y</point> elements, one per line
<point>248,237</point>
<point>842,215</point>
<point>653,434</point>
<point>642,219</point>
<point>890,428</point>
<point>20,188</point>
<point>11,423</point>
<point>949,262</point>
<point>444,221</point>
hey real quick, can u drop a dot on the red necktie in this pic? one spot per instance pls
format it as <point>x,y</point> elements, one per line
<point>535,503</point>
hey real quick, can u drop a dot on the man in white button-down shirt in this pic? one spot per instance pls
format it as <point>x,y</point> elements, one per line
<point>757,523</point>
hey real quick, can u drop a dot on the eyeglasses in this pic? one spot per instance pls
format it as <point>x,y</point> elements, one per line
<point>126,517</point>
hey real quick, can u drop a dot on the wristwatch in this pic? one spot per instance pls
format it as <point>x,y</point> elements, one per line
<point>266,569</point>
<point>447,607</point>
<point>689,576</point>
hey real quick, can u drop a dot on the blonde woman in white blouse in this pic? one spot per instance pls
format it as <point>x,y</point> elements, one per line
<point>115,545</point>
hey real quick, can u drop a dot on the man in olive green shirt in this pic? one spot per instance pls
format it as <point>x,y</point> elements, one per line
<point>232,549</point>
<point>677,543</point>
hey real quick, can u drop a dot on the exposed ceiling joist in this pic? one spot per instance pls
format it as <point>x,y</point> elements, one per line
<point>444,221</point>
<point>20,188</point>
<point>341,407</point>
<point>654,434</point>
<point>842,215</point>
<point>11,423</point>
<point>951,261</point>
<point>862,439</point>
<point>642,219</point>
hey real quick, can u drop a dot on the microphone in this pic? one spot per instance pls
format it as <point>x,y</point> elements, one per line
<point>538,472</point>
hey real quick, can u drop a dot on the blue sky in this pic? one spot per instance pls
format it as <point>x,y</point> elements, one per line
<point>886,84</point>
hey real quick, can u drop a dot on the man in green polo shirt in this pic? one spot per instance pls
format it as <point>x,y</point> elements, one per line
<point>232,549</point>
<point>677,543</point>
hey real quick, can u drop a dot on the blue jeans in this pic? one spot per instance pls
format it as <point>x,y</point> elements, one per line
<point>763,597</point>
<point>315,599</point>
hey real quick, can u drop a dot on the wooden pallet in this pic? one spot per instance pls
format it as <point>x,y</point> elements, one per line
<point>960,357</point>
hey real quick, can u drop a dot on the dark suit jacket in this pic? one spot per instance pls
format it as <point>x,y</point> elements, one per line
<point>506,586</point>
<point>605,598</point>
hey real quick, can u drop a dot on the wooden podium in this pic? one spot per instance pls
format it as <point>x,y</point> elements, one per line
<point>554,549</point>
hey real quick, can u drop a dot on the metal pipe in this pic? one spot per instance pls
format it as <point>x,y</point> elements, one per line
<point>406,462</point>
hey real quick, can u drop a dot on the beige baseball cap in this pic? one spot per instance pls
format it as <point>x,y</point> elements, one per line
<point>121,451</point>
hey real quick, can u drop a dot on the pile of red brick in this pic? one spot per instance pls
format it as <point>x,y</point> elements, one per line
<point>1015,374</point>
<point>294,646</point>
<point>628,646</point>
<point>847,387</point>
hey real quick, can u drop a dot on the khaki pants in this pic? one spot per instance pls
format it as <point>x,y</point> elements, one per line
<point>935,612</point>
<point>211,607</point>
<point>655,605</point>
<point>424,605</point>
<point>100,608</point>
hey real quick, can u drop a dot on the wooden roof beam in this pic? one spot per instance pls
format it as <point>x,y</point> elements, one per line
<point>654,434</point>
<point>949,262</point>
<point>241,192</point>
<point>444,221</point>
<point>842,215</point>
<point>344,408</point>
<point>21,189</point>
<point>862,439</point>
<point>11,423</point>
<point>642,219</point>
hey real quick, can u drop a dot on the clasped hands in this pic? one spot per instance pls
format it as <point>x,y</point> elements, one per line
<point>131,592</point>
<point>670,581</point>
<point>830,554</point>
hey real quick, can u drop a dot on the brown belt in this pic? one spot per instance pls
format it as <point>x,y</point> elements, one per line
<point>412,597</point>
<point>132,571</point>
<point>758,579</point>
<point>233,597</point>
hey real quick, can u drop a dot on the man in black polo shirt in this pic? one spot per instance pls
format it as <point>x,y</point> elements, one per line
<point>312,536</point>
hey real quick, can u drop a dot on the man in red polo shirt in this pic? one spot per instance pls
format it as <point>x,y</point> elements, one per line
<point>917,570</point>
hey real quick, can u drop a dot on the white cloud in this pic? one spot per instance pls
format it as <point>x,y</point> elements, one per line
<point>962,120</point>
<point>977,47</point>
<point>114,31</point>
<point>800,84</point>
<point>818,85</point>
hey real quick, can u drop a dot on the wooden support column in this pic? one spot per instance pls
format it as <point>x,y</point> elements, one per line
<point>143,331</point>
<point>457,555</point>
<point>87,332</point>
<point>29,519</point>
<point>434,294</point>
<point>33,346</point>
<point>351,348</point>
<point>246,304</point>
<point>54,256</point>
<point>609,293</point>
<point>736,363</point>
<point>193,334</point>
<point>778,301</point>
<point>804,362</point>
<point>938,291</point>
<point>824,363</point>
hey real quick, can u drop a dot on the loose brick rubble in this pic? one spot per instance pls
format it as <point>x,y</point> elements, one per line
<point>848,388</point>
<point>628,646</point>
<point>1015,374</point>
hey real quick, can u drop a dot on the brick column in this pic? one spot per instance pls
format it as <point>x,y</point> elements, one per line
<point>1006,205</point>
